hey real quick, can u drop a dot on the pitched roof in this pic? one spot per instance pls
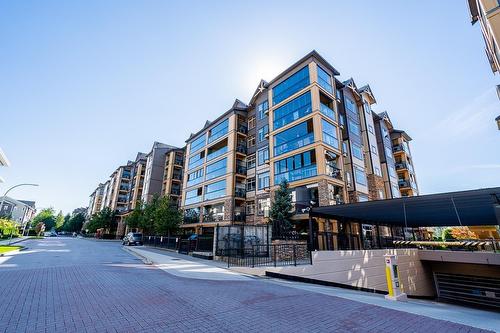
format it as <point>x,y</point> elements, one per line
<point>366,89</point>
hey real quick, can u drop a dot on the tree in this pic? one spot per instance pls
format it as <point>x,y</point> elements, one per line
<point>59,220</point>
<point>66,223</point>
<point>446,235</point>
<point>147,222</point>
<point>105,219</point>
<point>47,217</point>
<point>75,223</point>
<point>134,219</point>
<point>167,216</point>
<point>280,210</point>
<point>7,227</point>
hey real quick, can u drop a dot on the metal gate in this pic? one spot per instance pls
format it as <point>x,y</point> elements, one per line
<point>469,289</point>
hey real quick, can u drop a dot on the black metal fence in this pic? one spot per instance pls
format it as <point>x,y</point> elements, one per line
<point>180,244</point>
<point>241,237</point>
<point>267,255</point>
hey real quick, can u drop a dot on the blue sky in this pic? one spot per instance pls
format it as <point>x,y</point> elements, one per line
<point>84,85</point>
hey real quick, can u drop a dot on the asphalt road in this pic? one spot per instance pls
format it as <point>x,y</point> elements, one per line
<point>79,285</point>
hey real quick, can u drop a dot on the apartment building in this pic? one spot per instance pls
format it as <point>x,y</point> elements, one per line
<point>173,174</point>
<point>155,168</point>
<point>19,211</point>
<point>305,126</point>
<point>95,201</point>
<point>137,184</point>
<point>215,172</point>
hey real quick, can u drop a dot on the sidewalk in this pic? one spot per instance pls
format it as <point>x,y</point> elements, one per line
<point>192,268</point>
<point>14,240</point>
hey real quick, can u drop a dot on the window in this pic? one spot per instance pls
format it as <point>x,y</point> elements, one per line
<point>367,108</point>
<point>374,150</point>
<point>388,152</point>
<point>395,191</point>
<point>251,161</point>
<point>251,184</point>
<point>354,128</point>
<point>216,152</point>
<point>218,131</point>
<point>263,156</point>
<point>192,215</point>
<point>251,141</point>
<point>357,151</point>
<point>325,80</point>
<point>216,169</point>
<point>261,109</point>
<point>360,176</point>
<point>250,208</point>
<point>329,134</point>
<point>197,144</point>
<point>196,160</point>
<point>291,85</point>
<point>293,110</point>
<point>262,132</point>
<point>377,172</point>
<point>362,197</point>
<point>296,167</point>
<point>338,95</point>
<point>381,195</point>
<point>263,180</point>
<point>195,177</point>
<point>263,206</point>
<point>370,129</point>
<point>293,138</point>
<point>193,196</point>
<point>251,122</point>
<point>392,171</point>
<point>350,106</point>
<point>215,190</point>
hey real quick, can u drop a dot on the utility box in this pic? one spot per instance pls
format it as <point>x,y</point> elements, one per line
<point>392,276</point>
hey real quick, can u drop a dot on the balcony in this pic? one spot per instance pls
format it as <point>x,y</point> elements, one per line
<point>219,217</point>
<point>403,183</point>
<point>239,217</point>
<point>241,169</point>
<point>177,176</point>
<point>179,161</point>
<point>240,192</point>
<point>175,191</point>
<point>241,149</point>
<point>401,166</point>
<point>191,219</point>
<point>399,149</point>
<point>242,129</point>
<point>327,111</point>
<point>333,171</point>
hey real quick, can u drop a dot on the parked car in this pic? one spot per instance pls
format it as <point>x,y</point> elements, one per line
<point>134,238</point>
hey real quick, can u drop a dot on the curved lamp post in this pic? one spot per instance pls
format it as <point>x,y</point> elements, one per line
<point>3,199</point>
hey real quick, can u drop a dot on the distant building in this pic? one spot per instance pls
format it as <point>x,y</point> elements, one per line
<point>20,211</point>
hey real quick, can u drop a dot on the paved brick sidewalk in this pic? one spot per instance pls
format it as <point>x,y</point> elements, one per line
<point>111,291</point>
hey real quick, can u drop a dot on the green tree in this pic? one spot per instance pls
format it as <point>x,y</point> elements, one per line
<point>280,209</point>
<point>105,219</point>
<point>135,218</point>
<point>66,223</point>
<point>47,217</point>
<point>8,227</point>
<point>59,220</point>
<point>167,216</point>
<point>447,235</point>
<point>147,223</point>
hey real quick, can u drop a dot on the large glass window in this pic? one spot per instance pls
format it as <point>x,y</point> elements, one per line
<point>293,138</point>
<point>216,152</point>
<point>293,110</point>
<point>216,169</point>
<point>351,106</point>
<point>251,161</point>
<point>196,160</point>
<point>197,144</point>
<point>263,180</point>
<point>261,109</point>
<point>354,128</point>
<point>263,156</point>
<point>291,85</point>
<point>295,167</point>
<point>193,196</point>
<point>263,206</point>
<point>360,176</point>
<point>215,190</point>
<point>195,177</point>
<point>357,151</point>
<point>329,134</point>
<point>325,80</point>
<point>262,132</point>
<point>218,131</point>
<point>251,184</point>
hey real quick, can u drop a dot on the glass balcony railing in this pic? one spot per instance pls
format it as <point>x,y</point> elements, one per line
<point>218,217</point>
<point>241,149</point>
<point>239,217</point>
<point>216,153</point>
<point>242,129</point>
<point>333,172</point>
<point>241,169</point>
<point>401,166</point>
<point>297,174</point>
<point>403,183</point>
<point>240,192</point>
<point>327,112</point>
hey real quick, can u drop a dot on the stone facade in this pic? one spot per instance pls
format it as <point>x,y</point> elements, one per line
<point>375,183</point>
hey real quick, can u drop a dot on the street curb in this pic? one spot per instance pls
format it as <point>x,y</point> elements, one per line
<point>144,259</point>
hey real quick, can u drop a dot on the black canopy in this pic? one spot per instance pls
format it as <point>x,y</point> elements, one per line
<point>464,208</point>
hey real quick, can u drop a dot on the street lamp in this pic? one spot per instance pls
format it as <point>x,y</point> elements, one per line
<point>3,199</point>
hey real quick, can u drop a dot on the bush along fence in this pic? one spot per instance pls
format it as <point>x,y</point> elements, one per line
<point>181,243</point>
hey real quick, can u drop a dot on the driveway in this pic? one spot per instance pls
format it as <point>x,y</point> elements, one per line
<point>79,285</point>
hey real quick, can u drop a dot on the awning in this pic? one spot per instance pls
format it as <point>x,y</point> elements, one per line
<point>464,208</point>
